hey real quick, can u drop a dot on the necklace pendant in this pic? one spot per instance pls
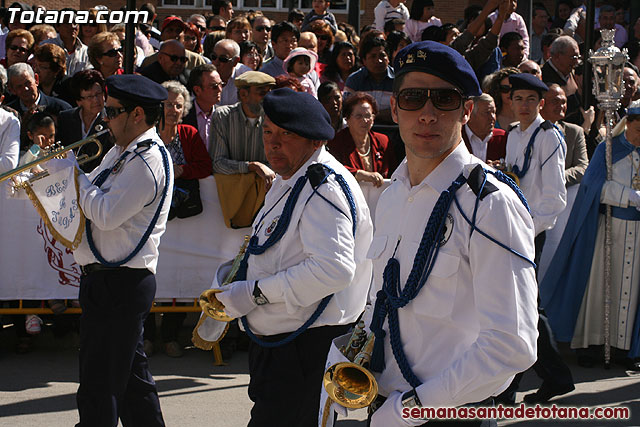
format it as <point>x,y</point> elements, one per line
<point>635,182</point>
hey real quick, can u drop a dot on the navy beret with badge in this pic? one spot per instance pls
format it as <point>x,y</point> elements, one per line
<point>526,81</point>
<point>298,112</point>
<point>442,61</point>
<point>136,89</point>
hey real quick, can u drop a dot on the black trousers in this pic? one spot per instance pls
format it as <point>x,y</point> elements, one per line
<point>285,381</point>
<point>115,381</point>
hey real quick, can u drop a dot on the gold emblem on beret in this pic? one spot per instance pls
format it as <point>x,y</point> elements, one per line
<point>422,54</point>
<point>401,62</point>
<point>410,59</point>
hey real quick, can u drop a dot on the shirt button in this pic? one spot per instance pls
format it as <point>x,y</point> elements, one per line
<point>410,199</point>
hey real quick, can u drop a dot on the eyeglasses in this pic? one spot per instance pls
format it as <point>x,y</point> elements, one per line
<point>217,28</point>
<point>214,86</point>
<point>412,99</point>
<point>112,53</point>
<point>262,28</point>
<point>223,59</point>
<point>505,88</point>
<point>113,112</point>
<point>93,95</point>
<point>365,117</point>
<point>323,37</point>
<point>175,58</point>
<point>19,49</point>
<point>201,27</point>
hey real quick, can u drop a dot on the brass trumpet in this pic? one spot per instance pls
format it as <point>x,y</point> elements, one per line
<point>210,305</point>
<point>57,153</point>
<point>350,384</point>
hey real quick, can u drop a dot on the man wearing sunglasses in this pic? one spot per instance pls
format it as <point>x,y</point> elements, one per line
<point>454,308</point>
<point>170,64</point>
<point>173,29</point>
<point>126,206</point>
<point>261,35</point>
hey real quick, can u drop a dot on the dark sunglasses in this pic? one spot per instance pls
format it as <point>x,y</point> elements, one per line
<point>262,28</point>
<point>217,28</point>
<point>323,37</point>
<point>112,53</point>
<point>19,49</point>
<point>175,58</point>
<point>200,28</point>
<point>412,99</point>
<point>505,88</point>
<point>222,59</point>
<point>113,112</point>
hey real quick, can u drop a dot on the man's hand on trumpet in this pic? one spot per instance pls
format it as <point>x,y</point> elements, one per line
<point>237,298</point>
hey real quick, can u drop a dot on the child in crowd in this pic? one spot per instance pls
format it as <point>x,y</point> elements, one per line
<point>319,11</point>
<point>298,64</point>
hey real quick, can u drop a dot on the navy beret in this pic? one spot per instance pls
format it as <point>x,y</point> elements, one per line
<point>136,89</point>
<point>298,112</point>
<point>442,61</point>
<point>526,81</point>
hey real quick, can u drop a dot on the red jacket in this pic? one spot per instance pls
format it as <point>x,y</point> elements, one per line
<point>496,147</point>
<point>199,163</point>
<point>343,148</point>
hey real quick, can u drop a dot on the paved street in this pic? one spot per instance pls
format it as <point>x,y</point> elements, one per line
<point>38,389</point>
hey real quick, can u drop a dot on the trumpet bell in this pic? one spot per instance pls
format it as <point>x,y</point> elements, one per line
<point>351,385</point>
<point>212,307</point>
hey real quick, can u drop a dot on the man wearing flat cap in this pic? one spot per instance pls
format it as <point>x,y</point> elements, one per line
<point>126,201</point>
<point>235,141</point>
<point>454,291</point>
<point>305,277</point>
<point>536,155</point>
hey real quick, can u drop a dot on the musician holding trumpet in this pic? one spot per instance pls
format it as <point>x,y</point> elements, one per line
<point>126,201</point>
<point>454,288</point>
<point>306,276</point>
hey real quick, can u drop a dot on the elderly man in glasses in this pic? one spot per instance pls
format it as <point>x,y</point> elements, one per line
<point>560,69</point>
<point>170,64</point>
<point>173,28</point>
<point>454,312</point>
<point>226,58</point>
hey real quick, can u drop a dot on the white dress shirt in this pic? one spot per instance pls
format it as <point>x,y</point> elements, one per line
<point>317,256</point>
<point>543,184</point>
<point>122,208</point>
<point>473,325</point>
<point>9,141</point>
<point>478,146</point>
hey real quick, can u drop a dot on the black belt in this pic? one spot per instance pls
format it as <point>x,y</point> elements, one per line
<point>95,267</point>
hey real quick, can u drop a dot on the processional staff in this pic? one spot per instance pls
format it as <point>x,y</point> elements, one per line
<point>608,65</point>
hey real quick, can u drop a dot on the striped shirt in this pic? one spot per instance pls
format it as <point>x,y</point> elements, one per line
<point>234,140</point>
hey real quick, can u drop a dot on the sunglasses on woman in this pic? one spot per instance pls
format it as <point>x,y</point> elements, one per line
<point>112,53</point>
<point>413,99</point>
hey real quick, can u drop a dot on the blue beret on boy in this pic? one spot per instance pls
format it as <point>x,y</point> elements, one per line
<point>298,112</point>
<point>526,81</point>
<point>442,61</point>
<point>136,89</point>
